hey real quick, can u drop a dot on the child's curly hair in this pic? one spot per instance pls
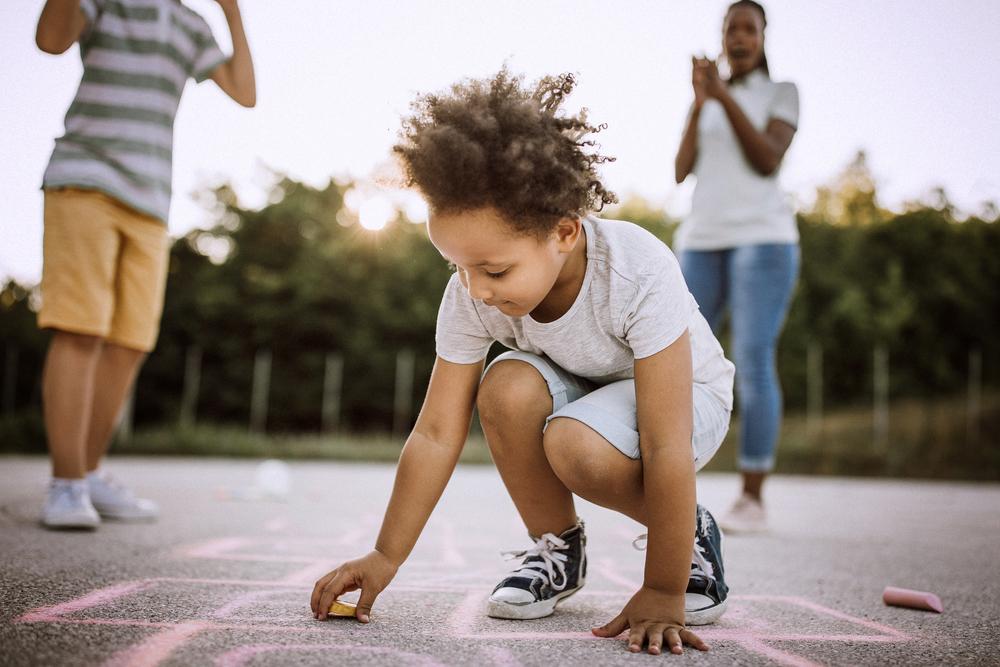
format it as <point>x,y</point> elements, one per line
<point>494,142</point>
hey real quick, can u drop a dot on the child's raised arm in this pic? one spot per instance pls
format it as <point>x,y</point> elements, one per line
<point>60,25</point>
<point>426,464</point>
<point>236,76</point>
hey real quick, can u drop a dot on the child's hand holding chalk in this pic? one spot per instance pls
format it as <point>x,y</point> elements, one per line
<point>370,574</point>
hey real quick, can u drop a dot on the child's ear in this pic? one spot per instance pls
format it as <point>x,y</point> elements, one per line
<point>568,232</point>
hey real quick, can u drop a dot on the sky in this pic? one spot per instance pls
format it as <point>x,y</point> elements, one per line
<point>912,82</point>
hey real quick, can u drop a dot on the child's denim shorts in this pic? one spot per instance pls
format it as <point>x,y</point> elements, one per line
<point>610,409</point>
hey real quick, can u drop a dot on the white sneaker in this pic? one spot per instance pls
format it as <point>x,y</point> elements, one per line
<point>114,501</point>
<point>747,515</point>
<point>68,506</point>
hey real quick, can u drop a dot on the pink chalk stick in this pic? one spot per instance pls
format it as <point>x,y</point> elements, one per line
<point>904,597</point>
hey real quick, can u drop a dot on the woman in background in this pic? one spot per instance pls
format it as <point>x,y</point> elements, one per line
<point>738,248</point>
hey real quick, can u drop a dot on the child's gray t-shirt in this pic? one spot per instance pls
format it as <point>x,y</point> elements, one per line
<point>633,303</point>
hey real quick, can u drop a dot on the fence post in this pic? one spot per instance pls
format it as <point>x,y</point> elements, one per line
<point>814,390</point>
<point>10,379</point>
<point>333,379</point>
<point>261,389</point>
<point>880,420</point>
<point>192,383</point>
<point>975,395</point>
<point>403,402</point>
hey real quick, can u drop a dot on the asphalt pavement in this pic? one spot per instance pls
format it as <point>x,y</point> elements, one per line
<point>223,578</point>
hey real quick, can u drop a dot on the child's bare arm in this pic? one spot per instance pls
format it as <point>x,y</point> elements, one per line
<point>663,385</point>
<point>655,614</point>
<point>426,464</point>
<point>236,76</point>
<point>60,25</point>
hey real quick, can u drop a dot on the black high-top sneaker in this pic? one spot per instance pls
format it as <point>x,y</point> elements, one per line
<point>705,599</point>
<point>551,571</point>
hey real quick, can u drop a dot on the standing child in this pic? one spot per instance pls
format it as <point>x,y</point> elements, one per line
<point>615,388</point>
<point>107,195</point>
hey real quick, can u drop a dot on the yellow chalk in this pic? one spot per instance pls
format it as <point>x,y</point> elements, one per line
<point>339,608</point>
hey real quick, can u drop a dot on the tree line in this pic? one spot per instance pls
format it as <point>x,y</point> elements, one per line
<point>302,280</point>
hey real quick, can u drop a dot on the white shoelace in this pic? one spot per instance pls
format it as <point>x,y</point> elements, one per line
<point>699,564</point>
<point>551,563</point>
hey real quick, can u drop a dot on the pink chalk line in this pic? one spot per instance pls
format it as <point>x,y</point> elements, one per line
<point>154,649</point>
<point>779,656</point>
<point>213,548</point>
<point>240,656</point>
<point>244,600</point>
<point>463,617</point>
<point>460,622</point>
<point>93,599</point>
<point>820,609</point>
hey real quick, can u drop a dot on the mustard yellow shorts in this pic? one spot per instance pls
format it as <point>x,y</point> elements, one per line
<point>104,268</point>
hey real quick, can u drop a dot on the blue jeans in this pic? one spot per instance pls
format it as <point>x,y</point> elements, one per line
<point>755,282</point>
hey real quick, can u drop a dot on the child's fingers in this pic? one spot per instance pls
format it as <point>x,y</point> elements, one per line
<point>636,636</point>
<point>674,641</point>
<point>365,603</point>
<point>318,591</point>
<point>694,640</point>
<point>331,590</point>
<point>613,628</point>
<point>655,633</point>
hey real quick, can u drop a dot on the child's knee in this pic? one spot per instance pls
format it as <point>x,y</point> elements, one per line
<point>565,448</point>
<point>513,392</point>
<point>84,344</point>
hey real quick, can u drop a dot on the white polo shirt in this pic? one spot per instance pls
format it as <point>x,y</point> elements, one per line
<point>734,205</point>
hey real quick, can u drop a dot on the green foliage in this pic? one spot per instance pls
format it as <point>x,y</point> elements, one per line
<point>298,279</point>
<point>22,349</point>
<point>651,218</point>
<point>299,283</point>
<point>921,285</point>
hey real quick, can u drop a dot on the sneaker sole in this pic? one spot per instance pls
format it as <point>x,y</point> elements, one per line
<point>529,610</point>
<point>70,524</point>
<point>128,518</point>
<point>706,616</point>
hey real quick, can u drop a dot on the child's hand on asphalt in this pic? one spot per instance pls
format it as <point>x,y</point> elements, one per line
<point>371,573</point>
<point>654,618</point>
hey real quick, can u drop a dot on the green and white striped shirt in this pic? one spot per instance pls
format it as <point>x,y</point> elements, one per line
<point>137,56</point>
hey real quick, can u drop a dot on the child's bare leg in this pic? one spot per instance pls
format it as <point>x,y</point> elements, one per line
<point>117,367</point>
<point>67,398</point>
<point>594,469</point>
<point>513,403</point>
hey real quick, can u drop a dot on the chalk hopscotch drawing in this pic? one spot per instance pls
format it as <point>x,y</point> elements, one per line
<point>278,607</point>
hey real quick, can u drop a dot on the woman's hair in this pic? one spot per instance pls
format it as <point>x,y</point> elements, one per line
<point>495,142</point>
<point>760,8</point>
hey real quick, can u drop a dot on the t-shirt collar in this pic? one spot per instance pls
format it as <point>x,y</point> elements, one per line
<point>752,79</point>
